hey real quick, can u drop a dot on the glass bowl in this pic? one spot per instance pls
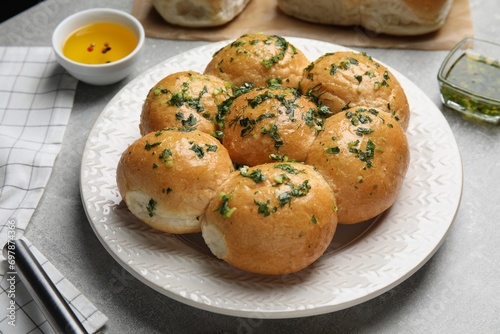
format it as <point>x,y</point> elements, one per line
<point>469,79</point>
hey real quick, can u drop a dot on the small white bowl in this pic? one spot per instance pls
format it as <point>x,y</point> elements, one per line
<point>100,74</point>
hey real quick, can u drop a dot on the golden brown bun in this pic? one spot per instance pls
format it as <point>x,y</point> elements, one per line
<point>349,79</point>
<point>394,17</point>
<point>167,178</point>
<point>364,155</point>
<point>183,99</point>
<point>199,13</point>
<point>270,121</point>
<point>257,58</point>
<point>261,227</point>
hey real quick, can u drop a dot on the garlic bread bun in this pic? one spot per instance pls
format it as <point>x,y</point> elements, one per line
<point>167,178</point>
<point>258,58</point>
<point>183,99</point>
<point>363,154</point>
<point>271,218</point>
<point>266,123</point>
<point>349,79</point>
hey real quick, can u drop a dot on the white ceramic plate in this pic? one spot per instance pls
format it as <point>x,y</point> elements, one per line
<point>363,261</point>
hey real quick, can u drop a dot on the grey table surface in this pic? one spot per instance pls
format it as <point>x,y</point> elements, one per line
<point>456,291</point>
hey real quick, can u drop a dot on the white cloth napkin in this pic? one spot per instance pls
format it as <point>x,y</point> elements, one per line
<point>36,98</point>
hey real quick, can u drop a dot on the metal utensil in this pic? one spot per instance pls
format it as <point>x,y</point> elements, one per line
<point>48,298</point>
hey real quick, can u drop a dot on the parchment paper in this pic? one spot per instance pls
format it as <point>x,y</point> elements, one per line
<point>264,16</point>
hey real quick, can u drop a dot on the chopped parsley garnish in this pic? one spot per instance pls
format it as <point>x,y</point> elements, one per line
<point>333,150</point>
<point>365,156</point>
<point>281,158</point>
<point>211,148</point>
<point>183,97</point>
<point>191,121</point>
<point>255,175</point>
<point>282,178</point>
<point>151,207</point>
<point>149,146</point>
<point>166,157</point>
<point>272,131</point>
<point>288,168</point>
<point>363,131</point>
<point>264,208</point>
<point>223,108</point>
<point>282,45</point>
<point>200,152</point>
<point>247,124</point>
<point>295,191</point>
<point>224,209</point>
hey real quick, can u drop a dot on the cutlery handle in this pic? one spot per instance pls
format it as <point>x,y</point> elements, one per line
<point>48,298</point>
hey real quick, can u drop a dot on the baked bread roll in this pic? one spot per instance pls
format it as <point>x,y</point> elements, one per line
<point>271,218</point>
<point>364,155</point>
<point>184,99</point>
<point>348,79</point>
<point>267,124</point>
<point>199,13</point>
<point>394,17</point>
<point>167,178</point>
<point>258,58</point>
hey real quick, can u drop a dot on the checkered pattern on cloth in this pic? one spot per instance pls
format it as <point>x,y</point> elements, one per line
<point>36,98</point>
<point>28,318</point>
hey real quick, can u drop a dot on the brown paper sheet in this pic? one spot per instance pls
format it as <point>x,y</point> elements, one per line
<point>265,17</point>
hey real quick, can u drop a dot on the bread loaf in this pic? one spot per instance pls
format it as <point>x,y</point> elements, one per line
<point>199,13</point>
<point>394,17</point>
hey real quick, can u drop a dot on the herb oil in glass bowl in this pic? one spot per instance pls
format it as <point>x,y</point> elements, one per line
<point>469,80</point>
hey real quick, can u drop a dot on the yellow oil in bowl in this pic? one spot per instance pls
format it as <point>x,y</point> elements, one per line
<point>100,43</point>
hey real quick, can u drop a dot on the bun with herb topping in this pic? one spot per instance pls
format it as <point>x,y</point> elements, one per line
<point>271,218</point>
<point>183,99</point>
<point>363,154</point>
<point>348,79</point>
<point>259,59</point>
<point>267,122</point>
<point>167,178</point>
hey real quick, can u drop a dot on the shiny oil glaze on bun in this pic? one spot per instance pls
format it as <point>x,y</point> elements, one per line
<point>346,79</point>
<point>272,218</point>
<point>167,178</point>
<point>184,99</point>
<point>268,122</point>
<point>363,153</point>
<point>258,58</point>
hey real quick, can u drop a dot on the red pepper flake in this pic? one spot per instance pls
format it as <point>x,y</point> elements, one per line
<point>91,47</point>
<point>106,48</point>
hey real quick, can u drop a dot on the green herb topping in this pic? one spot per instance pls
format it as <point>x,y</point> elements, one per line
<point>149,146</point>
<point>166,157</point>
<point>151,207</point>
<point>288,168</point>
<point>255,175</point>
<point>224,209</point>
